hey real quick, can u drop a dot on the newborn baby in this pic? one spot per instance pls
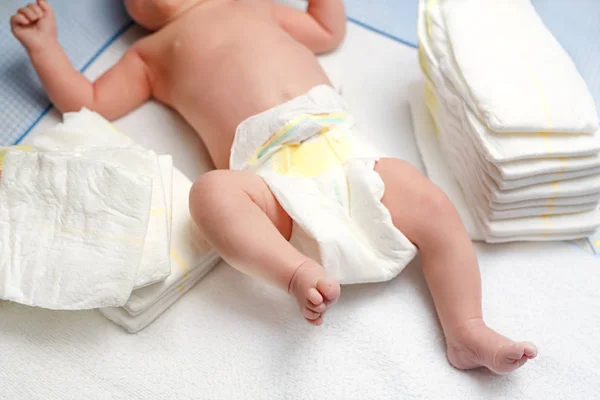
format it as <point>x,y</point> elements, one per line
<point>296,201</point>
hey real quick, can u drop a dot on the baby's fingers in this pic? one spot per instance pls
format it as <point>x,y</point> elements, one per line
<point>30,12</point>
<point>44,5</point>
<point>19,20</point>
<point>39,12</point>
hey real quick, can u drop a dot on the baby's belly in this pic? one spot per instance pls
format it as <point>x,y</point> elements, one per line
<point>216,100</point>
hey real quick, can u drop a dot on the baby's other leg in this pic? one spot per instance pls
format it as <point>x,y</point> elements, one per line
<point>428,219</point>
<point>240,217</point>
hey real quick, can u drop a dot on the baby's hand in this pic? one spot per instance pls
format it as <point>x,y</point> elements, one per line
<point>34,25</point>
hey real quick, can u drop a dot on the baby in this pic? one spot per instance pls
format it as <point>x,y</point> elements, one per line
<point>295,201</point>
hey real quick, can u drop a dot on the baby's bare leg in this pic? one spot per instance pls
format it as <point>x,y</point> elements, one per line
<point>428,219</point>
<point>244,222</point>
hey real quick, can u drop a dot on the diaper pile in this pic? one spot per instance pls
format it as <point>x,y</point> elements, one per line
<point>515,121</point>
<point>89,219</point>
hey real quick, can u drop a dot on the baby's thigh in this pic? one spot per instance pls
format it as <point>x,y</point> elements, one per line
<point>418,207</point>
<point>226,189</point>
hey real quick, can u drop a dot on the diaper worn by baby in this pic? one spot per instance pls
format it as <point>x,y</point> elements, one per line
<point>307,152</point>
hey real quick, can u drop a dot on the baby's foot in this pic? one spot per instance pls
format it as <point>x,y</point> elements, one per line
<point>476,345</point>
<point>314,292</point>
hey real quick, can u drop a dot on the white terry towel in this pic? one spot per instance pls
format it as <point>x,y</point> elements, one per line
<point>93,137</point>
<point>189,265</point>
<point>558,227</point>
<point>435,57</point>
<point>71,230</point>
<point>501,56</point>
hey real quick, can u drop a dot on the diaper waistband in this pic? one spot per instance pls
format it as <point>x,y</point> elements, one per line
<point>291,122</point>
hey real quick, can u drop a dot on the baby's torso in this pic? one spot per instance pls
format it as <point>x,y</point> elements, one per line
<point>223,62</point>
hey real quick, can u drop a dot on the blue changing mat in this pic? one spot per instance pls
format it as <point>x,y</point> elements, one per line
<point>85,28</point>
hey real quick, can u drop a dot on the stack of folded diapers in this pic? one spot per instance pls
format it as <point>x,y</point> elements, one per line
<point>514,119</point>
<point>91,220</point>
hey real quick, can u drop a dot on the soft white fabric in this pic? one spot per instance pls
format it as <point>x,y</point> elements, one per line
<point>95,138</point>
<point>501,56</point>
<point>188,266</point>
<point>479,214</point>
<point>306,152</point>
<point>71,230</point>
<point>494,146</point>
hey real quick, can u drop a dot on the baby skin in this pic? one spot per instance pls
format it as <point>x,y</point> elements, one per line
<point>218,62</point>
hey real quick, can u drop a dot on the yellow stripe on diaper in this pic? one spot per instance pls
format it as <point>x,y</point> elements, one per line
<point>4,150</point>
<point>181,289</point>
<point>179,261</point>
<point>432,104</point>
<point>548,223</point>
<point>111,126</point>
<point>429,4</point>
<point>158,211</point>
<point>546,107</point>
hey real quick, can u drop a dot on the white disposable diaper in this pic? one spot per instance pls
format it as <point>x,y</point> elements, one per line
<point>560,218</point>
<point>92,137</point>
<point>188,264</point>
<point>525,144</point>
<point>306,152</point>
<point>71,230</point>
<point>508,67</point>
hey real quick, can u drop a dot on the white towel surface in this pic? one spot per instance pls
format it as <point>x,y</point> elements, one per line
<point>232,337</point>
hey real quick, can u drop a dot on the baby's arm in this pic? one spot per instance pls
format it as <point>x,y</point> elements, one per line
<point>120,90</point>
<point>322,28</point>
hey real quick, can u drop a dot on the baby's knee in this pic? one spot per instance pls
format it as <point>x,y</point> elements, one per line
<point>436,203</point>
<point>207,192</point>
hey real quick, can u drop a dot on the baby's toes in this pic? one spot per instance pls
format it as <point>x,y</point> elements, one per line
<point>512,352</point>
<point>530,350</point>
<point>310,315</point>
<point>314,297</point>
<point>329,289</point>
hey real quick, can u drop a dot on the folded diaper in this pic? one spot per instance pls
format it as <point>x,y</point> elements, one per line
<point>523,177</point>
<point>306,152</point>
<point>92,137</point>
<point>71,230</point>
<point>166,173</point>
<point>503,60</point>
<point>540,166</point>
<point>83,129</point>
<point>496,147</point>
<point>578,222</point>
<point>188,265</point>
